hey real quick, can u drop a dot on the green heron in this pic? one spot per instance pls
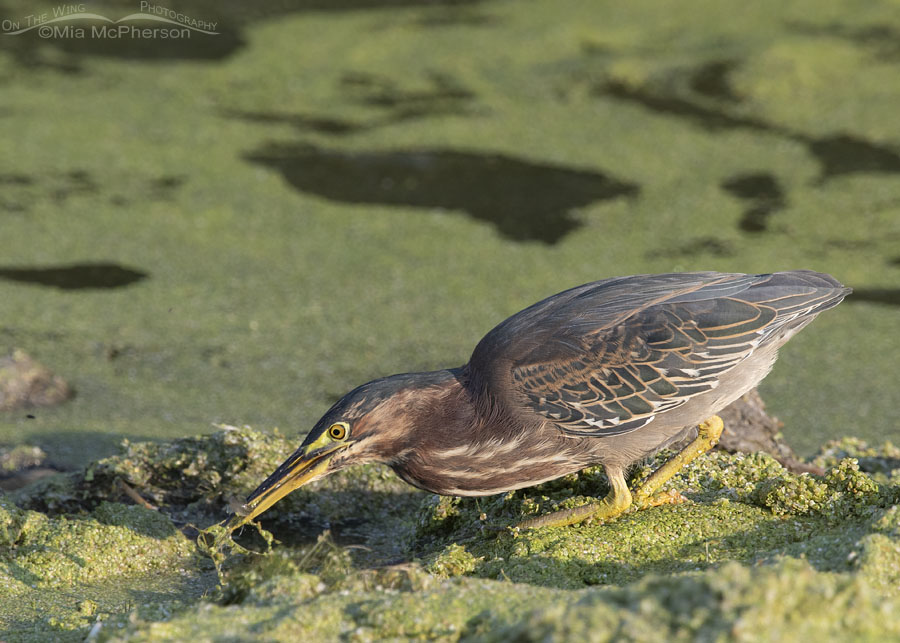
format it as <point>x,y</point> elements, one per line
<point>609,372</point>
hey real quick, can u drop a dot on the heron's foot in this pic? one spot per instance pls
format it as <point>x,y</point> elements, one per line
<point>708,435</point>
<point>670,497</point>
<point>612,506</point>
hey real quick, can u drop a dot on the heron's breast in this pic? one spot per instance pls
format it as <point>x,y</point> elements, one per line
<point>490,467</point>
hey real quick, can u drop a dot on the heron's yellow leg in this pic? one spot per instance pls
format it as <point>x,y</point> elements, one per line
<point>708,434</point>
<point>616,502</point>
<point>619,499</point>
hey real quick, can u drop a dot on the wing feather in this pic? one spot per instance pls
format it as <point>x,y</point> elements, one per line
<point>607,358</point>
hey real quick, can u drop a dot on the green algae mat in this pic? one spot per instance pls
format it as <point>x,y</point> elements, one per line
<point>758,553</point>
<point>238,227</point>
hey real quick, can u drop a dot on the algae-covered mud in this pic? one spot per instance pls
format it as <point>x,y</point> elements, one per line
<point>756,553</point>
<point>62,574</point>
<point>239,227</point>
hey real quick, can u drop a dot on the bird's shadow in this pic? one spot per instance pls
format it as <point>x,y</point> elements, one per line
<point>889,296</point>
<point>375,525</point>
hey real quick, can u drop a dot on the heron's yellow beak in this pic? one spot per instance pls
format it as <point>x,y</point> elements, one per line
<point>306,464</point>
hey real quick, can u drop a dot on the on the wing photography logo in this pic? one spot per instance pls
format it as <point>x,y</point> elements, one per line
<point>74,21</point>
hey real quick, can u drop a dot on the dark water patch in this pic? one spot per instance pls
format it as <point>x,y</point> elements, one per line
<point>712,79</point>
<point>837,155</point>
<point>851,244</point>
<point>79,276</point>
<point>69,44</point>
<point>700,246</point>
<point>763,195</point>
<point>707,117</point>
<point>167,182</point>
<point>74,182</point>
<point>382,91</point>
<point>332,126</point>
<point>394,104</point>
<point>890,296</point>
<point>197,46</point>
<point>442,95</point>
<point>29,51</point>
<point>9,205</point>
<point>15,179</point>
<point>523,200</point>
<point>753,187</point>
<point>164,187</point>
<point>337,6</point>
<point>144,189</point>
<point>12,200</point>
<point>881,39</point>
<point>455,16</point>
<point>19,192</point>
<point>66,50</point>
<point>302,122</point>
<point>845,154</point>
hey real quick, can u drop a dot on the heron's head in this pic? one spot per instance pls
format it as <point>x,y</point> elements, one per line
<point>372,423</point>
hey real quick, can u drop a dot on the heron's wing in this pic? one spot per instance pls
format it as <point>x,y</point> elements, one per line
<point>596,368</point>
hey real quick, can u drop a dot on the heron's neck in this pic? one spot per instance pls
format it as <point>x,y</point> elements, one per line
<point>437,412</point>
<point>459,443</point>
<point>450,415</point>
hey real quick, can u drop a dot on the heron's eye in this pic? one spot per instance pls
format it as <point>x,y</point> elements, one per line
<point>338,431</point>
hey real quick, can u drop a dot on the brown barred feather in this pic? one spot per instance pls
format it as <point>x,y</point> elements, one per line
<point>623,351</point>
